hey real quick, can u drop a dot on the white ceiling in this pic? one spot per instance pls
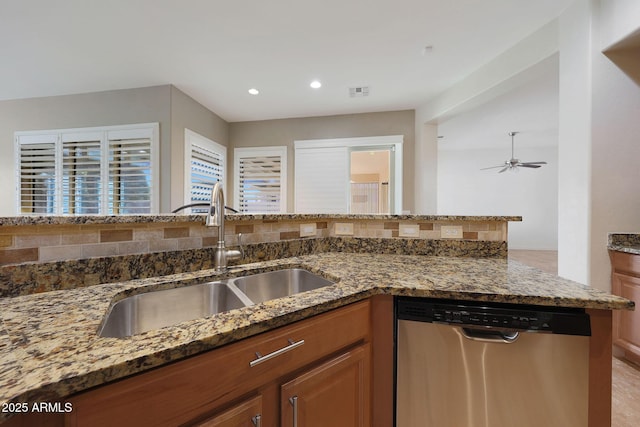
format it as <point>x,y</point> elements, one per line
<point>216,50</point>
<point>531,109</point>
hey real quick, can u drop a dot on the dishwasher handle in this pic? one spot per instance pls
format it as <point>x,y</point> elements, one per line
<point>490,335</point>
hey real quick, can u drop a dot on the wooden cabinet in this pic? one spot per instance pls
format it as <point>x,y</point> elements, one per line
<point>247,413</point>
<point>336,393</point>
<point>625,282</point>
<point>325,359</point>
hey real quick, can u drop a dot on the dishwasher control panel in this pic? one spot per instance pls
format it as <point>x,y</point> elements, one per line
<point>533,321</point>
<point>556,320</point>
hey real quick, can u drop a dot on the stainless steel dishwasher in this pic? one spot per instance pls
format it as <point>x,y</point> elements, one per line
<point>470,364</point>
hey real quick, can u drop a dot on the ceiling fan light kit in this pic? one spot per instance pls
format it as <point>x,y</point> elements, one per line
<point>514,164</point>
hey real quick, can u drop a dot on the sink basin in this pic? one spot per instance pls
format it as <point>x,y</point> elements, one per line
<point>153,310</point>
<point>277,284</point>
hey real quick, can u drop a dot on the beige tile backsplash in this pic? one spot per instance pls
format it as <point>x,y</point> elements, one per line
<point>47,243</point>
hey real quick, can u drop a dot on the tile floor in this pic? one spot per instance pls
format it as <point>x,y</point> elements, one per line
<point>625,403</point>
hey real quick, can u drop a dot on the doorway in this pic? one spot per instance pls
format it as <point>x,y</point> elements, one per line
<point>371,174</point>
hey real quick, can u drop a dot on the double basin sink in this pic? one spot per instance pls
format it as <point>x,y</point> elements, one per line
<point>153,310</point>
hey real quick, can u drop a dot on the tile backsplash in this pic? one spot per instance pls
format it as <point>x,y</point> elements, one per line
<point>49,243</point>
<point>67,253</point>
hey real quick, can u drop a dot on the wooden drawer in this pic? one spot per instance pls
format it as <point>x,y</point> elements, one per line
<point>622,262</point>
<point>182,391</point>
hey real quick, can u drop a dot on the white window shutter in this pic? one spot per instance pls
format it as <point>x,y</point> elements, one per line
<point>260,180</point>
<point>81,173</point>
<point>102,170</point>
<point>206,165</point>
<point>36,174</point>
<point>130,180</point>
<point>322,180</point>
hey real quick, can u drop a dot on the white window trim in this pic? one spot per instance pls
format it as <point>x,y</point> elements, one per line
<point>239,153</point>
<point>151,130</point>
<point>396,141</point>
<point>191,137</point>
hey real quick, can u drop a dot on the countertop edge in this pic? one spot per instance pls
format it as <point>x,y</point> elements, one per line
<point>179,218</point>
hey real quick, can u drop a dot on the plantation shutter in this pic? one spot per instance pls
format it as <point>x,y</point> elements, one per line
<point>105,170</point>
<point>206,167</point>
<point>261,180</point>
<point>81,173</point>
<point>322,177</point>
<point>36,174</point>
<point>130,180</point>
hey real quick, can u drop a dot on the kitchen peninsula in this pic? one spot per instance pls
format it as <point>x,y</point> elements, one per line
<point>52,309</point>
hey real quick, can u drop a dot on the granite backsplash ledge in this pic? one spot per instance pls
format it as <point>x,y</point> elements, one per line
<point>30,278</point>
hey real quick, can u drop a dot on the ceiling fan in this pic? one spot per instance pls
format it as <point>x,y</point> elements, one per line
<point>514,163</point>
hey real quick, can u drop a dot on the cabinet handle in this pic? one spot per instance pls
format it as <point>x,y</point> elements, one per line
<point>261,358</point>
<point>294,402</point>
<point>257,420</point>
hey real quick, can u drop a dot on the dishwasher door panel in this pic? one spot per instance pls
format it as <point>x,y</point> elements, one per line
<point>447,380</point>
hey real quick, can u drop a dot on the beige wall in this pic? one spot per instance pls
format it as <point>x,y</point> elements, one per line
<point>188,113</point>
<point>118,107</point>
<point>286,131</point>
<point>166,104</point>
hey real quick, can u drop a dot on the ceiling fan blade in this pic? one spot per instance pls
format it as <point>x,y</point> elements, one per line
<point>493,167</point>
<point>503,169</point>
<point>529,165</point>
<point>533,163</point>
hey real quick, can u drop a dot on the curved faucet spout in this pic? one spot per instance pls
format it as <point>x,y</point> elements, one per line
<point>215,217</point>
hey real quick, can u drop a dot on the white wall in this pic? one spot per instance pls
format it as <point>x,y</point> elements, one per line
<point>615,136</point>
<point>479,138</point>
<point>499,76</point>
<point>599,128</point>
<point>574,133</point>
<point>464,189</point>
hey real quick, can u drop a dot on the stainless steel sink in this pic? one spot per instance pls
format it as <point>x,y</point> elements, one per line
<point>277,284</point>
<point>157,309</point>
<point>154,310</point>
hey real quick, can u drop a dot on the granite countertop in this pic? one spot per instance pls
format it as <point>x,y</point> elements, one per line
<point>624,242</point>
<point>49,347</point>
<point>172,218</point>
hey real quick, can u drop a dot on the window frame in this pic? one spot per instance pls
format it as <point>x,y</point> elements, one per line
<point>247,152</point>
<point>108,134</point>
<point>394,141</point>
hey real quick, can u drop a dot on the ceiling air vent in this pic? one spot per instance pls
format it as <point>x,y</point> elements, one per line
<point>355,92</point>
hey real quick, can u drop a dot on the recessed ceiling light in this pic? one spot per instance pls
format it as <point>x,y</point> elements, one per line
<point>254,91</point>
<point>316,84</point>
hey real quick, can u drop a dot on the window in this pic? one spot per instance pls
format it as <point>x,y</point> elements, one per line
<point>106,171</point>
<point>207,162</point>
<point>260,179</point>
<point>325,176</point>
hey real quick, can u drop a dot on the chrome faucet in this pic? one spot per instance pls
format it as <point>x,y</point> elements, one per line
<point>215,218</point>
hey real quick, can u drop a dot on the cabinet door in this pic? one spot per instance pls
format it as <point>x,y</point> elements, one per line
<point>335,393</point>
<point>248,413</point>
<point>626,324</point>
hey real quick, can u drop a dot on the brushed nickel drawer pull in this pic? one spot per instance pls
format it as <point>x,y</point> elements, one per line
<point>294,402</point>
<point>261,358</point>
